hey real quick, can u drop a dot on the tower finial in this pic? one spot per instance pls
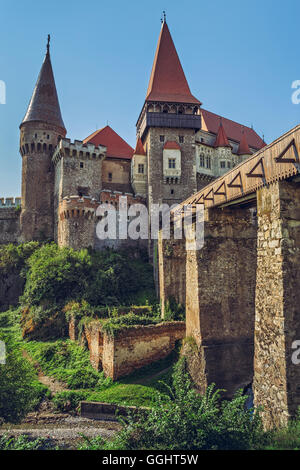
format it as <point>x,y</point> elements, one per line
<point>164,17</point>
<point>48,44</point>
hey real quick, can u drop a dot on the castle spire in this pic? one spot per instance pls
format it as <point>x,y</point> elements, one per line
<point>44,104</point>
<point>244,147</point>
<point>167,80</point>
<point>221,139</point>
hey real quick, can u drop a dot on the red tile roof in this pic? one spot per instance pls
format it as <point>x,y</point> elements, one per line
<point>116,146</point>
<point>167,80</point>
<point>172,145</point>
<point>221,139</point>
<point>139,149</point>
<point>233,129</point>
<point>244,147</point>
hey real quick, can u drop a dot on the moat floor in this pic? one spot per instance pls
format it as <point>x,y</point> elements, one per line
<point>60,429</point>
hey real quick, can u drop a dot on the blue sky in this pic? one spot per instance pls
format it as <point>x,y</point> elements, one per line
<point>240,59</point>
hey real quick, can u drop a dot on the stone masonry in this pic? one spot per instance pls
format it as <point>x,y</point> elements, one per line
<point>131,348</point>
<point>277,322</point>
<point>219,296</point>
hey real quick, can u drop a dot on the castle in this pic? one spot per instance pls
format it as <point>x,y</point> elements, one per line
<point>180,148</point>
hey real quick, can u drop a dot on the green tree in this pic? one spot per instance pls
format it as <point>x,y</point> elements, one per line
<point>17,393</point>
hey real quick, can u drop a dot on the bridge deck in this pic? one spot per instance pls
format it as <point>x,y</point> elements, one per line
<point>278,160</point>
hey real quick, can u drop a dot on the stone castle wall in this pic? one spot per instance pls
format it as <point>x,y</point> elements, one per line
<point>9,225</point>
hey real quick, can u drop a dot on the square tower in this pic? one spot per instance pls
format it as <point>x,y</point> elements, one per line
<point>167,125</point>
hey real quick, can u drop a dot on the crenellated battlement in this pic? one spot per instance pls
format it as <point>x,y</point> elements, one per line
<point>76,206</point>
<point>78,149</point>
<point>9,202</point>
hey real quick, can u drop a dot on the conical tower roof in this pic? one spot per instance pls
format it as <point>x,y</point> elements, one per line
<point>167,80</point>
<point>221,139</point>
<point>44,104</point>
<point>139,149</point>
<point>244,147</point>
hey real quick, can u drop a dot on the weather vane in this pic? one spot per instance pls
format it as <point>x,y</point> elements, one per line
<point>48,43</point>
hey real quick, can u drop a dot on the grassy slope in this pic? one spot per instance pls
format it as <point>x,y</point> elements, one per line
<point>66,362</point>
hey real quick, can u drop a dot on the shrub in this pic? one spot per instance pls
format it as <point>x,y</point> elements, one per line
<point>68,400</point>
<point>80,283</point>
<point>19,391</point>
<point>188,421</point>
<point>13,257</point>
<point>23,442</point>
<point>174,311</point>
<point>58,275</point>
<point>112,326</point>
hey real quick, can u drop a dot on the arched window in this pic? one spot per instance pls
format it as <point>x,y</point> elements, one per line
<point>208,162</point>
<point>201,160</point>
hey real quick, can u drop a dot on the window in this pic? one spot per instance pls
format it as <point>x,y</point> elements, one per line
<point>202,160</point>
<point>162,138</point>
<point>172,191</point>
<point>172,163</point>
<point>228,165</point>
<point>181,139</point>
<point>222,164</point>
<point>109,176</point>
<point>81,164</point>
<point>208,162</point>
<point>141,168</point>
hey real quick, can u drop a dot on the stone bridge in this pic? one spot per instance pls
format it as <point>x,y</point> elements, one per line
<point>242,289</point>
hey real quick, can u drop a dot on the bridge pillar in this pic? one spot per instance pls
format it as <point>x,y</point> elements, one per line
<point>172,265</point>
<point>277,321</point>
<point>220,301</point>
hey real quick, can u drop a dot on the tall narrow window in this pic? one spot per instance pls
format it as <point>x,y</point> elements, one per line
<point>208,162</point>
<point>172,163</point>
<point>201,160</point>
<point>141,168</point>
<point>181,139</point>
<point>162,138</point>
<point>109,176</point>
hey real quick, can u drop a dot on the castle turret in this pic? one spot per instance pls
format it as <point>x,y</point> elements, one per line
<point>244,150</point>
<point>139,170</point>
<point>224,159</point>
<point>40,131</point>
<point>77,222</point>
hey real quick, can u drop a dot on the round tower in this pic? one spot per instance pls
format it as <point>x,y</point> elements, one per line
<point>77,222</point>
<point>40,131</point>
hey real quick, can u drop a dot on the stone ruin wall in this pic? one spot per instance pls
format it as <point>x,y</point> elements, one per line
<point>131,349</point>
